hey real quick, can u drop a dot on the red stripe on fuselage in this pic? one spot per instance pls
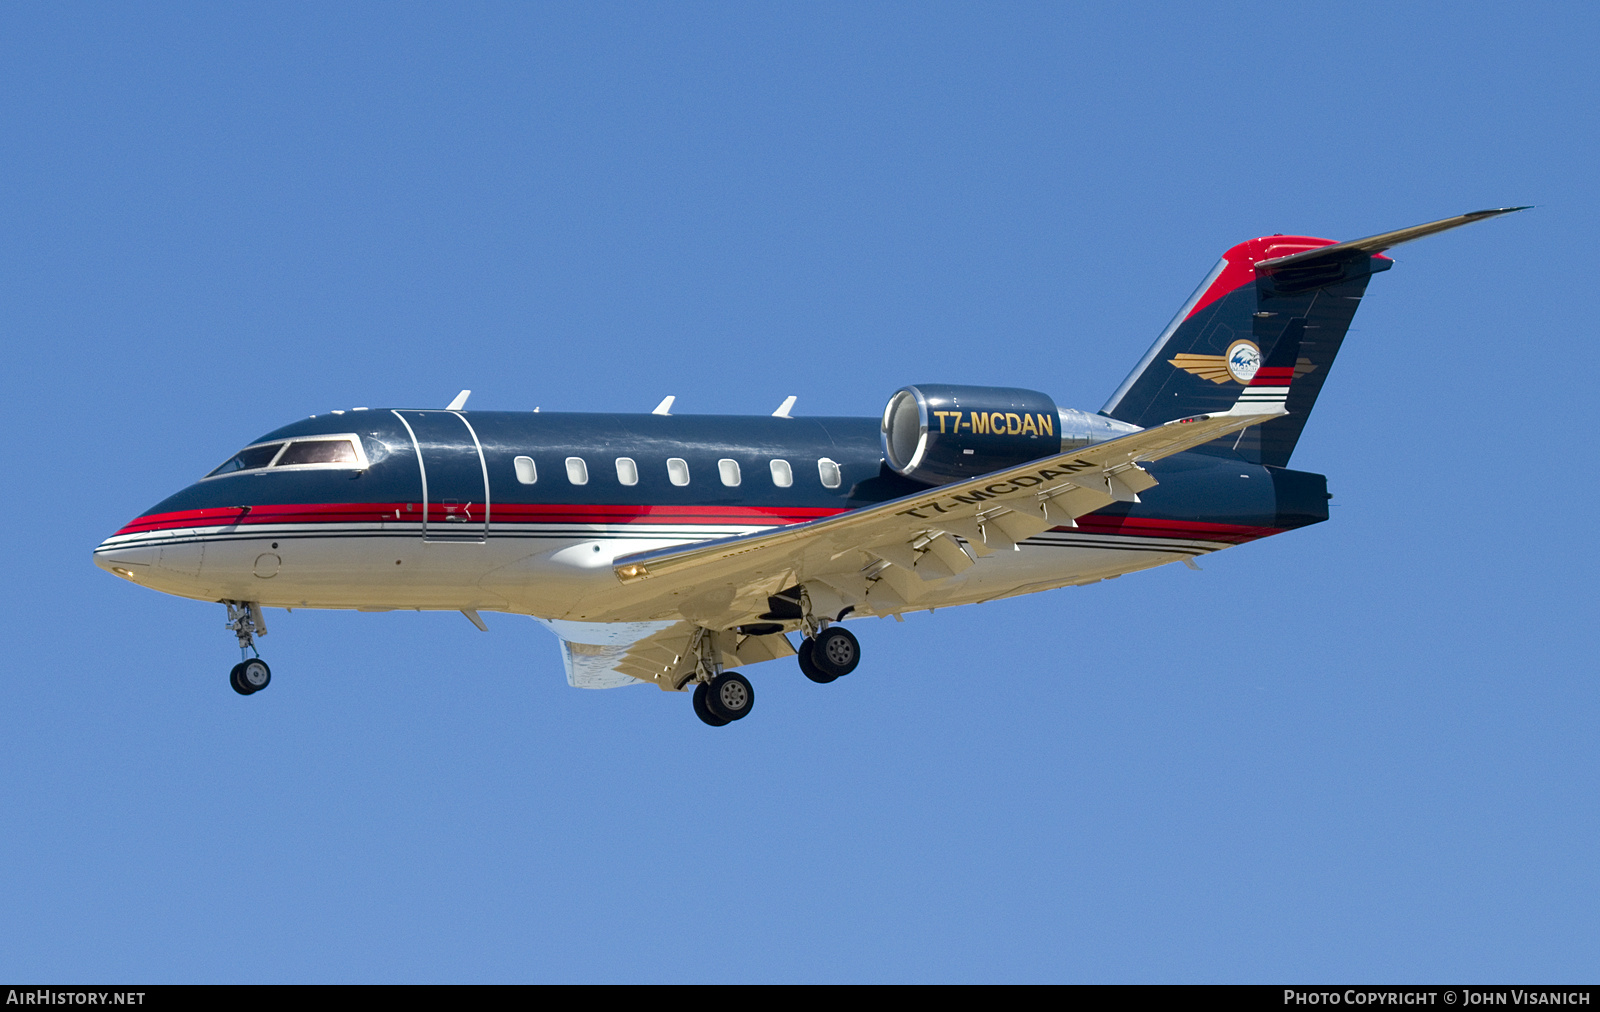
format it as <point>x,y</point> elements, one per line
<point>372,512</point>
<point>1195,530</point>
<point>741,516</point>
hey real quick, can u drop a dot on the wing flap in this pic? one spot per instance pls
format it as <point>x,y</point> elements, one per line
<point>943,548</point>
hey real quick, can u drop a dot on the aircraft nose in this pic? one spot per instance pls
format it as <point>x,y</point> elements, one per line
<point>131,562</point>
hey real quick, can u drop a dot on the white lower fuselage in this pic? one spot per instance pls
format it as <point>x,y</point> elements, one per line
<point>555,571</point>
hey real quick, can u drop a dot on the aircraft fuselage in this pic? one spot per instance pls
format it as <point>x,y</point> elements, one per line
<point>525,512</point>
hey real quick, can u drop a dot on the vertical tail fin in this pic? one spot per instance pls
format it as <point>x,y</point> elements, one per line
<point>1263,292</point>
<point>1208,355</point>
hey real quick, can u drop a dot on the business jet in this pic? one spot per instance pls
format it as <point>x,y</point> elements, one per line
<point>674,550</point>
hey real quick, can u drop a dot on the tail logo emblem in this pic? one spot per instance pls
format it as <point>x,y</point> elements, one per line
<point>1243,359</point>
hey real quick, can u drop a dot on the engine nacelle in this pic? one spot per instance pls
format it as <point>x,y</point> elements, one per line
<point>939,433</point>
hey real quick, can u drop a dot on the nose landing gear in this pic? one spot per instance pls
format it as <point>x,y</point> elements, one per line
<point>246,621</point>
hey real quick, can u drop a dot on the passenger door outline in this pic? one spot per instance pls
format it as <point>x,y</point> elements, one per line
<point>445,518</point>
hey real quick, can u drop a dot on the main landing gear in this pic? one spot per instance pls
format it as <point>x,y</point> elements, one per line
<point>828,651</point>
<point>720,697</point>
<point>246,621</point>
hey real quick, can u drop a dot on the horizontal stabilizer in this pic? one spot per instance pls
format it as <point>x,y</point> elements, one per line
<point>1384,240</point>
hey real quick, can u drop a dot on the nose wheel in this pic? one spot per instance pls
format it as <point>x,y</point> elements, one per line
<point>250,676</point>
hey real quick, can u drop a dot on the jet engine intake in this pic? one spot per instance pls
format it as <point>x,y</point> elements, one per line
<point>941,433</point>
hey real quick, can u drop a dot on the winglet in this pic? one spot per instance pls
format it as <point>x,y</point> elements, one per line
<point>460,401</point>
<point>665,407</point>
<point>785,407</point>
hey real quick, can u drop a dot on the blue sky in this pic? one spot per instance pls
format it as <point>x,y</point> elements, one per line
<point>1364,750</point>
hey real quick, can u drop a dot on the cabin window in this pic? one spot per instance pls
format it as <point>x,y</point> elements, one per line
<point>677,470</point>
<point>527,471</point>
<point>577,471</point>
<point>729,470</point>
<point>318,451</point>
<point>249,459</point>
<point>627,471</point>
<point>782,475</point>
<point>829,472</point>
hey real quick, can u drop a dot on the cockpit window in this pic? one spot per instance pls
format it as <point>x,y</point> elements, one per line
<point>249,459</point>
<point>341,451</point>
<point>318,451</point>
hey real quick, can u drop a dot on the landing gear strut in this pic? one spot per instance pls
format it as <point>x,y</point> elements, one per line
<point>251,674</point>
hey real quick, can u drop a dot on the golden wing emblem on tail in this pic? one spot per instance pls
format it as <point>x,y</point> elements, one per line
<point>1215,367</point>
<point>1211,367</point>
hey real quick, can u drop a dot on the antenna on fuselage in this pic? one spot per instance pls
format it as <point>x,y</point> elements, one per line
<point>460,401</point>
<point>665,407</point>
<point>785,407</point>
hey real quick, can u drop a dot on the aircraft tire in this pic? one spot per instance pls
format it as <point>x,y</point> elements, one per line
<point>250,676</point>
<point>836,651</point>
<point>730,696</point>
<point>700,709</point>
<point>808,664</point>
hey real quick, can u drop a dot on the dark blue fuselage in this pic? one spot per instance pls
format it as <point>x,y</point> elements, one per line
<point>1201,486</point>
